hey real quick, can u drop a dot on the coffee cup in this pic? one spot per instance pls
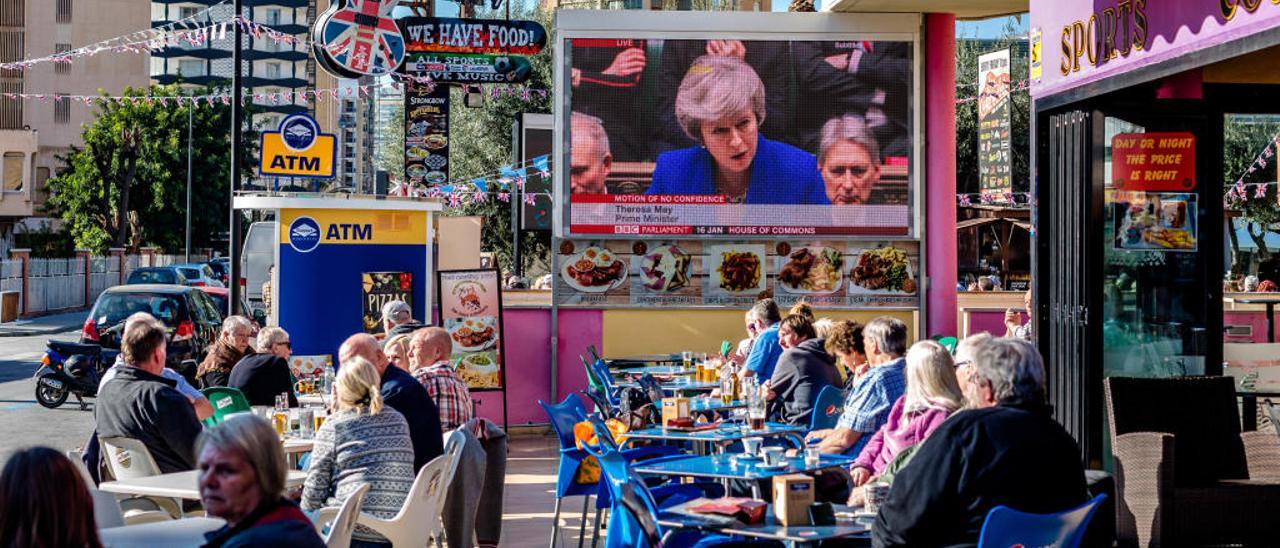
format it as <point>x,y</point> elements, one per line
<point>774,456</point>
<point>751,446</point>
<point>876,493</point>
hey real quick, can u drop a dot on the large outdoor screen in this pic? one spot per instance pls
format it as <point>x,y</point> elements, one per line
<point>739,137</point>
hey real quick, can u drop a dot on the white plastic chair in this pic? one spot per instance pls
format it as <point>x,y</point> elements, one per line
<point>128,458</point>
<point>418,521</point>
<point>341,521</point>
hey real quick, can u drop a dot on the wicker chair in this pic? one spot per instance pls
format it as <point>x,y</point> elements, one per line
<point>1225,487</point>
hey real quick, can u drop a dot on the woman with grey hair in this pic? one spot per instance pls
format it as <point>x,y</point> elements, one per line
<point>265,375</point>
<point>242,471</point>
<point>849,158</point>
<point>233,344</point>
<point>720,105</point>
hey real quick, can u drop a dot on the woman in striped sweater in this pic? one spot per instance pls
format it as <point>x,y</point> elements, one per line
<point>361,443</point>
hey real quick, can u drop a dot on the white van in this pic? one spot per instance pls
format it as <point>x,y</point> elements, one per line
<point>258,256</point>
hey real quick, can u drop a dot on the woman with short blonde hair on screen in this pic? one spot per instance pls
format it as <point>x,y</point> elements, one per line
<point>720,104</point>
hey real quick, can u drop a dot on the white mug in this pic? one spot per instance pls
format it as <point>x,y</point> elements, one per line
<point>751,446</point>
<point>774,455</point>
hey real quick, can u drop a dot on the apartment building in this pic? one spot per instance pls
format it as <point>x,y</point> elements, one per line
<point>34,133</point>
<point>268,66</point>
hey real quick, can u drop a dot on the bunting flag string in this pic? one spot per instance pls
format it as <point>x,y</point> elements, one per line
<point>498,184</point>
<point>1020,86</point>
<point>1239,190</point>
<point>141,41</point>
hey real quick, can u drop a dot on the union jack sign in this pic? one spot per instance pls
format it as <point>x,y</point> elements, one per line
<point>359,37</point>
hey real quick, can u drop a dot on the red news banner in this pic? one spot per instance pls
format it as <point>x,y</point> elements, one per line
<point>697,214</point>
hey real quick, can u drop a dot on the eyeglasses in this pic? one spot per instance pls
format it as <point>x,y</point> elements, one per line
<point>962,363</point>
<point>285,343</point>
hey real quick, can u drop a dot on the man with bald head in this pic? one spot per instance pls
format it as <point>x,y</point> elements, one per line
<point>402,393</point>
<point>429,358</point>
<point>591,161</point>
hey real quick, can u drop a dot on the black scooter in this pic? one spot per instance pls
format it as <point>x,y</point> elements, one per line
<point>69,368</point>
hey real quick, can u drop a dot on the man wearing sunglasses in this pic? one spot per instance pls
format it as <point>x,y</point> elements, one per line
<point>265,375</point>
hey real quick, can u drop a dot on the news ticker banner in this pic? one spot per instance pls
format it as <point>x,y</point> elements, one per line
<point>712,215</point>
<point>694,273</point>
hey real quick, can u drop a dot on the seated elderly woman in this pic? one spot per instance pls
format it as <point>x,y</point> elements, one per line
<point>720,104</point>
<point>265,375</point>
<point>849,159</point>
<point>363,442</point>
<point>242,480</point>
<point>232,345</point>
<point>933,394</point>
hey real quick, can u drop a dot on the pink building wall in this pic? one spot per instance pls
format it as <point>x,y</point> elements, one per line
<point>940,172</point>
<point>528,361</point>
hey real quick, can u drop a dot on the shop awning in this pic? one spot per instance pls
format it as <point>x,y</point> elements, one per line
<point>963,9</point>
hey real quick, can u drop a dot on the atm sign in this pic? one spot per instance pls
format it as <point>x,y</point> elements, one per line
<point>298,149</point>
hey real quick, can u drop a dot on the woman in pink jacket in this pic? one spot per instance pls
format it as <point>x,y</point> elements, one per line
<point>932,395</point>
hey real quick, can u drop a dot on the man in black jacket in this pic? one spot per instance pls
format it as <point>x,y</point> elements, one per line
<point>1006,450</point>
<point>140,404</point>
<point>402,392</point>
<point>265,375</point>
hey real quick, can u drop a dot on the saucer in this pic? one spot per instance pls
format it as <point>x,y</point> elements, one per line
<point>778,466</point>
<point>746,457</point>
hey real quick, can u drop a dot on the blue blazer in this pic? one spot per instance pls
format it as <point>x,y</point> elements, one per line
<point>780,174</point>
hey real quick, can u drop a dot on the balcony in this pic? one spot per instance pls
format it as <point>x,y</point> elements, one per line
<point>197,2</point>
<point>198,52</point>
<point>263,54</point>
<point>166,79</point>
<point>259,82</point>
<point>281,3</point>
<point>288,28</point>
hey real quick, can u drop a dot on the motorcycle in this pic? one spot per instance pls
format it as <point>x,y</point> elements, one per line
<point>69,368</point>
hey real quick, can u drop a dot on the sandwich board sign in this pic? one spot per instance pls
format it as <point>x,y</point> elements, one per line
<point>298,149</point>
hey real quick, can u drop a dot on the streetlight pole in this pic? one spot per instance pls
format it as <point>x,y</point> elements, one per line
<point>191,107</point>
<point>237,112</point>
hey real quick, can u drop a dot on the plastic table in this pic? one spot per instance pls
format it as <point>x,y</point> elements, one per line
<point>657,370</point>
<point>723,467</point>
<point>846,527</point>
<point>177,485</point>
<point>178,532</point>
<point>674,386</point>
<point>723,435</point>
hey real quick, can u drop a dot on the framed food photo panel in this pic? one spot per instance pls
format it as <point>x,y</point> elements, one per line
<point>471,310</point>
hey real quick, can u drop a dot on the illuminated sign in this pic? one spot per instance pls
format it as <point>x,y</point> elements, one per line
<point>298,149</point>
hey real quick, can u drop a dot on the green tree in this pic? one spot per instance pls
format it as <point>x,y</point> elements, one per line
<point>1244,137</point>
<point>480,142</point>
<point>127,185</point>
<point>967,52</point>
<point>390,156</point>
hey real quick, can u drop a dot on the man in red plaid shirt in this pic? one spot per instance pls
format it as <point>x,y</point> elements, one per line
<point>429,357</point>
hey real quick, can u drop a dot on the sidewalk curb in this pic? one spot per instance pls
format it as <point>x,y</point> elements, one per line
<point>34,331</point>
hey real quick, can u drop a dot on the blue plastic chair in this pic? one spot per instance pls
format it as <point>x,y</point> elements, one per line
<point>1007,527</point>
<point>601,369</point>
<point>633,515</point>
<point>827,410</point>
<point>563,416</point>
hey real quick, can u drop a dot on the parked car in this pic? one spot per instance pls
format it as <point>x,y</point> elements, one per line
<point>157,275</point>
<point>222,267</point>
<point>220,295</point>
<point>199,274</point>
<point>258,256</point>
<point>191,316</point>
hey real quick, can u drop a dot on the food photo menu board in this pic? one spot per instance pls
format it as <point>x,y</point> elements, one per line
<point>471,310</point>
<point>681,273</point>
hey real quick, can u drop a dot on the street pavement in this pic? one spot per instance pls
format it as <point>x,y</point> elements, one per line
<point>23,422</point>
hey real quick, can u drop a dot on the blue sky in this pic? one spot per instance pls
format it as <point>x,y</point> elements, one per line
<point>990,28</point>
